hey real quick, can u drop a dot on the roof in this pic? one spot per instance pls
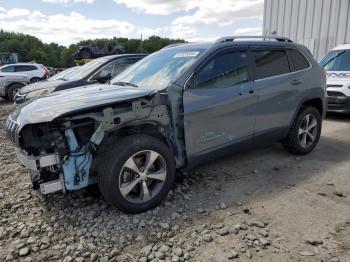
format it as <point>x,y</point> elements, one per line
<point>237,41</point>
<point>341,47</point>
<point>23,64</point>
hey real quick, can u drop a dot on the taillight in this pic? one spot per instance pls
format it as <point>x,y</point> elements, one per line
<point>47,73</point>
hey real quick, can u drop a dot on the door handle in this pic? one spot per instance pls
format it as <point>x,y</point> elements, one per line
<point>296,82</point>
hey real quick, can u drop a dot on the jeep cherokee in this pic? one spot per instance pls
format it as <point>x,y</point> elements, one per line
<point>174,109</point>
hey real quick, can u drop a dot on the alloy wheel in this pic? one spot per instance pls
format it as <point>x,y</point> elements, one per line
<point>307,130</point>
<point>142,176</point>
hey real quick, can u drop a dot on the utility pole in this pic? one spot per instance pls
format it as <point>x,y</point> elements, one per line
<point>141,44</point>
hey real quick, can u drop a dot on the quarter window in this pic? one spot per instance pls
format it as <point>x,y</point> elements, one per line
<point>297,60</point>
<point>270,63</point>
<point>223,70</point>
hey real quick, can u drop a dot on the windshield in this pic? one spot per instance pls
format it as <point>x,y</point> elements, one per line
<point>159,69</point>
<point>64,74</point>
<point>85,70</point>
<point>338,60</point>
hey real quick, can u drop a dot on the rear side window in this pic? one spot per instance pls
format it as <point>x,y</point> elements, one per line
<point>223,70</point>
<point>270,63</point>
<point>297,60</point>
<point>23,68</point>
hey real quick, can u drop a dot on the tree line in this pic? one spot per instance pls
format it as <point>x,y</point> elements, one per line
<point>30,48</point>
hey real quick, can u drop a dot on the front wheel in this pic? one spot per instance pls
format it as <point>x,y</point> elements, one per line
<point>305,132</point>
<point>13,90</point>
<point>137,174</point>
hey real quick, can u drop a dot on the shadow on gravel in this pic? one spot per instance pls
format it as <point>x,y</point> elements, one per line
<point>245,177</point>
<point>338,117</point>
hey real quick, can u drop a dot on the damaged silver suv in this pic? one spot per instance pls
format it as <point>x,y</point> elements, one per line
<point>179,107</point>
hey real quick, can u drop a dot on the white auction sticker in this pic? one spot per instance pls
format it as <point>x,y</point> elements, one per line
<point>186,54</point>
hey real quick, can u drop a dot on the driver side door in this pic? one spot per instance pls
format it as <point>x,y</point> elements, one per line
<point>219,105</point>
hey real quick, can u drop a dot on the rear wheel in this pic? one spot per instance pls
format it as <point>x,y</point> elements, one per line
<point>12,91</point>
<point>137,174</point>
<point>305,132</point>
<point>35,79</point>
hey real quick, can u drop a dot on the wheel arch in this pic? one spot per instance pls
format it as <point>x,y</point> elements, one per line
<point>316,102</point>
<point>10,84</point>
<point>145,128</point>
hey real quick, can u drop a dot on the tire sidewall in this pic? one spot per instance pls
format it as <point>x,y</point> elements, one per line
<point>110,178</point>
<point>10,91</point>
<point>313,111</point>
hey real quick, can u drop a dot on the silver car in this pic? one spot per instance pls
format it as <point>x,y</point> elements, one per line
<point>10,84</point>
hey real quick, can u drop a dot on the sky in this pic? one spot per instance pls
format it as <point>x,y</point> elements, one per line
<point>69,21</point>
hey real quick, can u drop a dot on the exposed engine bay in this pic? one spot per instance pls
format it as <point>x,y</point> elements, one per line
<point>63,154</point>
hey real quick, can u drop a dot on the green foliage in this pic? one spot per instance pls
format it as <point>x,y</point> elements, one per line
<point>30,48</point>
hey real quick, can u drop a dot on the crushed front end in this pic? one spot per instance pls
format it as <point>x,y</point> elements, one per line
<point>60,153</point>
<point>56,154</point>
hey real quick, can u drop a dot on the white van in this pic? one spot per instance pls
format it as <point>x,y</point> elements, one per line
<point>337,65</point>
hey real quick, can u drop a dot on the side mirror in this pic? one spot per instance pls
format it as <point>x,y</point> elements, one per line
<point>103,79</point>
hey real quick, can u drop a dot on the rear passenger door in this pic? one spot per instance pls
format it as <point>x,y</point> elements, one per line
<point>277,90</point>
<point>219,106</point>
<point>30,70</point>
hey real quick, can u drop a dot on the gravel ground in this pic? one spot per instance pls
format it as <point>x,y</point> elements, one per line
<point>261,205</point>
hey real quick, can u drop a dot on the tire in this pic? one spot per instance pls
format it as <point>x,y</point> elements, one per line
<point>12,91</point>
<point>85,54</point>
<point>35,79</point>
<point>126,189</point>
<point>300,141</point>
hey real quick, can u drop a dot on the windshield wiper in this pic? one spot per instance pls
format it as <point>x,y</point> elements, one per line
<point>124,84</point>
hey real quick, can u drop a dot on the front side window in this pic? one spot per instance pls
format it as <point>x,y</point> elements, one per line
<point>223,70</point>
<point>8,69</point>
<point>159,69</point>
<point>269,63</point>
<point>337,61</point>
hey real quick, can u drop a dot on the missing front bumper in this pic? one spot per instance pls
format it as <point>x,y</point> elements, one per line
<point>35,163</point>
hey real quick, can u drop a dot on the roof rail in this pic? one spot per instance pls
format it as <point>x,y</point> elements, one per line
<point>172,45</point>
<point>263,38</point>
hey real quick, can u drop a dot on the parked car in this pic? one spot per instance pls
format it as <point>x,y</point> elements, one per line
<point>10,84</point>
<point>35,72</point>
<point>177,108</point>
<point>337,65</point>
<point>99,70</point>
<point>93,51</point>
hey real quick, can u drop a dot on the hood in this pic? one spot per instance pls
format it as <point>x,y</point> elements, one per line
<point>49,85</point>
<point>47,108</point>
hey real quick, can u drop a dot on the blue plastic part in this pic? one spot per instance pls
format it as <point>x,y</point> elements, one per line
<point>76,167</point>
